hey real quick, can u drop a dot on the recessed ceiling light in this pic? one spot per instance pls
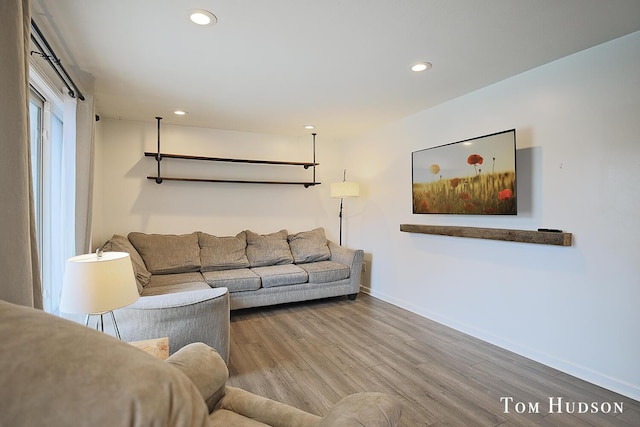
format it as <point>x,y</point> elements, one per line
<point>180,113</point>
<point>202,17</point>
<point>421,66</point>
<point>309,127</point>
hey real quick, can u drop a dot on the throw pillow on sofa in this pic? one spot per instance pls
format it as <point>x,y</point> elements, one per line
<point>121,244</point>
<point>309,246</point>
<point>268,249</point>
<point>223,253</point>
<point>168,253</point>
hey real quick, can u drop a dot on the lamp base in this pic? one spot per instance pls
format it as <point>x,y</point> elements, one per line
<point>100,322</point>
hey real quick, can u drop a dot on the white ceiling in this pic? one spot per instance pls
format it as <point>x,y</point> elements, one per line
<point>342,65</point>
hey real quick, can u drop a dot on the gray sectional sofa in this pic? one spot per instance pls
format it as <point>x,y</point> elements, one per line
<point>184,273</point>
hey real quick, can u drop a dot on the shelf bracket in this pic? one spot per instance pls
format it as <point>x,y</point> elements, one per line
<point>158,154</point>
<point>314,158</point>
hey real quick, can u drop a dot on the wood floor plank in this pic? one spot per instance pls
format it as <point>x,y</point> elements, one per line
<point>312,354</point>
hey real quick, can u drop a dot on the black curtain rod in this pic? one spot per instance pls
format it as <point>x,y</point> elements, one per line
<point>53,61</point>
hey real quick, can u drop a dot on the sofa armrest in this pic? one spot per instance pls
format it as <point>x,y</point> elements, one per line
<point>177,299</point>
<point>205,368</point>
<point>261,409</point>
<point>184,317</point>
<point>364,409</point>
<point>351,257</point>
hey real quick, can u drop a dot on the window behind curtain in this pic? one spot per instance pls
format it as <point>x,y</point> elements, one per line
<point>36,107</point>
<point>45,112</point>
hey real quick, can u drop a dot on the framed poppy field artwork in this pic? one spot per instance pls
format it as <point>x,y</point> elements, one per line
<point>472,177</point>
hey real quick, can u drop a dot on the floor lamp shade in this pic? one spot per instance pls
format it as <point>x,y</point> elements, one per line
<point>96,285</point>
<point>345,189</point>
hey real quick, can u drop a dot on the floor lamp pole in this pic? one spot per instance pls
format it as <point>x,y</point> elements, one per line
<point>341,190</point>
<point>340,215</point>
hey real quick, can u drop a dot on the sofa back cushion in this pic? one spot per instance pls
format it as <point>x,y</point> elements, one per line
<point>168,253</point>
<point>309,246</point>
<point>268,249</point>
<point>223,253</point>
<point>121,244</point>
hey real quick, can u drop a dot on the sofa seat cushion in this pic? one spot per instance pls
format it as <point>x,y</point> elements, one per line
<point>309,246</point>
<point>326,271</point>
<point>223,253</point>
<point>168,253</point>
<point>241,279</point>
<point>268,249</point>
<point>281,275</point>
<point>161,284</point>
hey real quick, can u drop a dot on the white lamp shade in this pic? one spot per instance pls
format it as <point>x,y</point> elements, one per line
<point>345,189</point>
<point>95,285</point>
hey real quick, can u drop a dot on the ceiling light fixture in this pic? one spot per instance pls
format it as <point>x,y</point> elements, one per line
<point>202,17</point>
<point>180,113</point>
<point>420,66</point>
<point>309,127</point>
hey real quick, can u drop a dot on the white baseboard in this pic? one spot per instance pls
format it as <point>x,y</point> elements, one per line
<point>598,378</point>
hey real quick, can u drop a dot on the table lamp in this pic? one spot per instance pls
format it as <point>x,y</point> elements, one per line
<point>342,190</point>
<point>96,284</point>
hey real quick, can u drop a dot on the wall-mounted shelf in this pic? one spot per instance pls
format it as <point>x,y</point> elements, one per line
<point>523,236</point>
<point>159,156</point>
<point>169,178</point>
<point>153,154</point>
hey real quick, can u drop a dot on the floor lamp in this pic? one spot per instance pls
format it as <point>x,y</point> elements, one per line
<point>343,190</point>
<point>96,284</point>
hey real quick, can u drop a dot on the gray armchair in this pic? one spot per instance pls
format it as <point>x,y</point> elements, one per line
<point>184,317</point>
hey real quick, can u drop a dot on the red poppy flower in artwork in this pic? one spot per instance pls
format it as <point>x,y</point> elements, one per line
<point>454,182</point>
<point>475,159</point>
<point>505,194</point>
<point>468,207</point>
<point>464,196</point>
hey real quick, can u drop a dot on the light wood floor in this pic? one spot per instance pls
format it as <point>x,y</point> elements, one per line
<point>312,354</point>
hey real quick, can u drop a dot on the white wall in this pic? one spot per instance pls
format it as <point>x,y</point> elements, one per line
<point>126,201</point>
<point>578,133</point>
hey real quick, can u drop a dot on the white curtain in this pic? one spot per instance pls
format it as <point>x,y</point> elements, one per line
<point>19,264</point>
<point>77,172</point>
<point>85,131</point>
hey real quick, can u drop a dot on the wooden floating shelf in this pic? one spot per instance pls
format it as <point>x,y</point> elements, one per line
<point>168,178</point>
<point>523,236</point>
<point>153,154</point>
